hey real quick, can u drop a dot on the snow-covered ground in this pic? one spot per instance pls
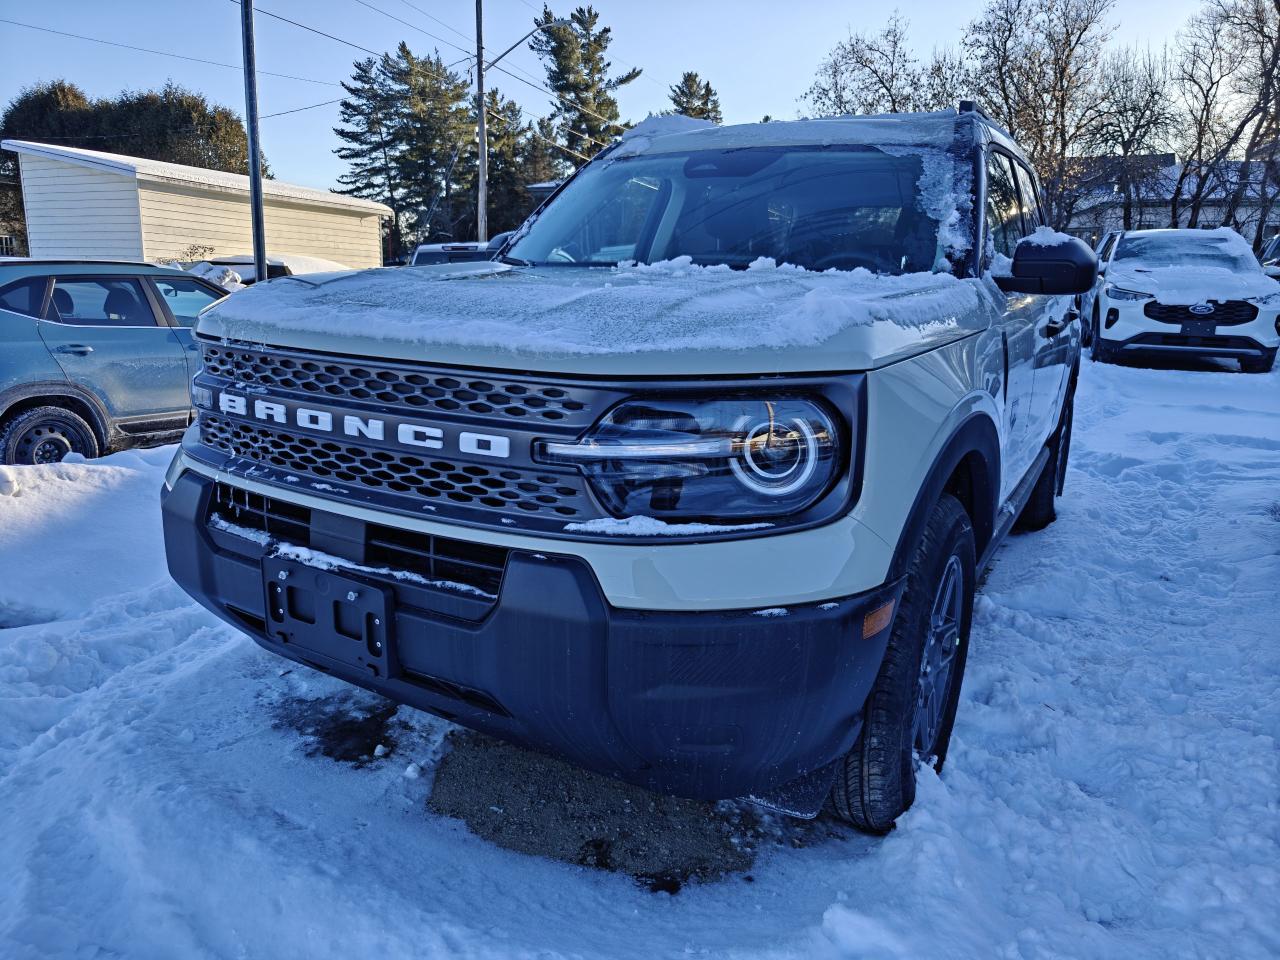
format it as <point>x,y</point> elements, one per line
<point>1112,788</point>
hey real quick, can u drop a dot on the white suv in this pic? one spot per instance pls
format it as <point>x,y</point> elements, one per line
<point>1184,292</point>
<point>693,486</point>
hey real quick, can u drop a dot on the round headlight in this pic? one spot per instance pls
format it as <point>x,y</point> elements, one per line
<point>745,458</point>
<point>775,458</point>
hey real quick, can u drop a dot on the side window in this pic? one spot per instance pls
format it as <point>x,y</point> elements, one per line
<point>24,296</point>
<point>1004,222</point>
<point>185,298</point>
<point>1108,245</point>
<point>101,303</point>
<point>1030,198</point>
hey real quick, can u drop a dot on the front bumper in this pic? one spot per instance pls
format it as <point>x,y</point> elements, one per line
<point>1124,326</point>
<point>706,704</point>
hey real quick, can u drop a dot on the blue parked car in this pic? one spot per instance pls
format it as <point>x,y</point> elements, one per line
<point>95,356</point>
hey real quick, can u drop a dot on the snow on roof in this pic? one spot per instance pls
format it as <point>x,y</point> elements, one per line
<point>144,169</point>
<point>674,134</point>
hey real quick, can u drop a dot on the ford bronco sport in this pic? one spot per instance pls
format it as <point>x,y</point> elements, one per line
<point>691,487</point>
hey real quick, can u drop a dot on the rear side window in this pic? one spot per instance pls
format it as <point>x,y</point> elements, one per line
<point>185,298</point>
<point>1004,220</point>
<point>101,303</point>
<point>24,296</point>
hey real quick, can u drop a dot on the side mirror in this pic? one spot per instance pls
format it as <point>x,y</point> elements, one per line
<point>1061,267</point>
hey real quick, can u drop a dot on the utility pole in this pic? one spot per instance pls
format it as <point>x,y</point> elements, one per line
<point>482,178</point>
<point>255,157</point>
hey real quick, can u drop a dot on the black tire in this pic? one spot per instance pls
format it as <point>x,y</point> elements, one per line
<point>1257,364</point>
<point>1041,509</point>
<point>1099,351</point>
<point>876,782</point>
<point>46,435</point>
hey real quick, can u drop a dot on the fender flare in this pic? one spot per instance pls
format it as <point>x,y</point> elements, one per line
<point>975,436</point>
<point>99,419</point>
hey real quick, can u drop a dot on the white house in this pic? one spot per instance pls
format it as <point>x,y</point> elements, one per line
<point>84,204</point>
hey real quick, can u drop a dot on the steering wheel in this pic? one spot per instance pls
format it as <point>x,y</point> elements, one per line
<point>561,255</point>
<point>851,261</point>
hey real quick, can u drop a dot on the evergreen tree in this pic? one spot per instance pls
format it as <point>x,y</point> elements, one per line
<point>694,97</point>
<point>435,131</point>
<point>542,161</point>
<point>371,144</point>
<point>508,198</point>
<point>586,112</point>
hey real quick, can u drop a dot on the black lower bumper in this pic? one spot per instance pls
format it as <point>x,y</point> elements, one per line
<point>1231,347</point>
<point>700,704</point>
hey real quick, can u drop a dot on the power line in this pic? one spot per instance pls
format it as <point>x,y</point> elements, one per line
<point>281,113</point>
<point>412,26</point>
<point>163,53</point>
<point>303,26</point>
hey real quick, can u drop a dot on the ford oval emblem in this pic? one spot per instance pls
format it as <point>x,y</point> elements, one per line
<point>1202,309</point>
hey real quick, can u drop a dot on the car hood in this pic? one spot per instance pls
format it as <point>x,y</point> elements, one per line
<point>662,319</point>
<point>1186,285</point>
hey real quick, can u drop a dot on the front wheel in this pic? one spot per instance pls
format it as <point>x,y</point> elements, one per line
<point>912,706</point>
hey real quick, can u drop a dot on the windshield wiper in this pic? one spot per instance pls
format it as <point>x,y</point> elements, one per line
<point>514,261</point>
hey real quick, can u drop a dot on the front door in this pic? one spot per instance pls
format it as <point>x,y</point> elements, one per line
<point>107,337</point>
<point>1023,314</point>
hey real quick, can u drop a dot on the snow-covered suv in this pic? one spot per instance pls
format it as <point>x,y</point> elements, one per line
<point>692,487</point>
<point>1199,293</point>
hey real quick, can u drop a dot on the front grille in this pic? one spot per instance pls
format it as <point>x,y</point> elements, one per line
<point>1225,313</point>
<point>435,558</point>
<point>416,390</point>
<point>473,485</point>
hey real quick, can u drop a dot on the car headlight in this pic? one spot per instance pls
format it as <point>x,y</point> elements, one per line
<point>736,459</point>
<point>1120,293</point>
<point>1269,300</point>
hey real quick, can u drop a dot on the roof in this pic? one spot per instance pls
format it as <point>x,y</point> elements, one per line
<point>16,267</point>
<point>675,134</point>
<point>160,171</point>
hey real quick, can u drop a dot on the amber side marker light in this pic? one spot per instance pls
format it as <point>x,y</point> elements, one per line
<point>877,620</point>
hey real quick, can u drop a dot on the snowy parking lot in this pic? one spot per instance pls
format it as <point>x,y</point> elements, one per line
<point>169,790</point>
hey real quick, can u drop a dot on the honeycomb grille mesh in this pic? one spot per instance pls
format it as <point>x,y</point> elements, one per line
<point>390,387</point>
<point>466,485</point>
<point>1226,313</point>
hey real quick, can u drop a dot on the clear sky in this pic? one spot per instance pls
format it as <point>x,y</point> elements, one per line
<point>759,54</point>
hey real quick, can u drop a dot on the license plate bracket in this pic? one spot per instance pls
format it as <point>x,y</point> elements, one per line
<point>340,617</point>
<point>1199,328</point>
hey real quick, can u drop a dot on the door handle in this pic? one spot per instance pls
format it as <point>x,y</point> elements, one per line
<point>79,349</point>
<point>1055,327</point>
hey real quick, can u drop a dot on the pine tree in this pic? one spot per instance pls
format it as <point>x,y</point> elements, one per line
<point>435,128</point>
<point>694,97</point>
<point>542,160</point>
<point>586,112</point>
<point>372,144</point>
<point>508,199</point>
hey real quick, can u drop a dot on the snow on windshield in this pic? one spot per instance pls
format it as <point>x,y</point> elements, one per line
<point>1208,248</point>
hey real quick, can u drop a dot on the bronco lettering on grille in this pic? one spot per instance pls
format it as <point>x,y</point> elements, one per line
<point>406,434</point>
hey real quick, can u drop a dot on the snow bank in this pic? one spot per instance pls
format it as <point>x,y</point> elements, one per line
<point>662,307</point>
<point>1110,792</point>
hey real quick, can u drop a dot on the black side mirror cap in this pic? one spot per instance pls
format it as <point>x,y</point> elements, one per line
<point>1063,268</point>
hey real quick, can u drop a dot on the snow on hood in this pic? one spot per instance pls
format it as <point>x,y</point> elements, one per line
<point>1190,284</point>
<point>647,315</point>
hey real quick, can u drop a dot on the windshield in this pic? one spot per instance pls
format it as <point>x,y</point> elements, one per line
<point>818,208</point>
<point>1184,249</point>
